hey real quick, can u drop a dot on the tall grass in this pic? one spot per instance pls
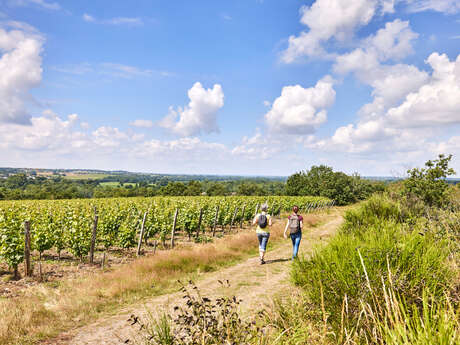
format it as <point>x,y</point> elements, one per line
<point>378,246</point>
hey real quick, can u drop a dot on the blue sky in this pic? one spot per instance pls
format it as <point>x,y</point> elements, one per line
<point>245,87</point>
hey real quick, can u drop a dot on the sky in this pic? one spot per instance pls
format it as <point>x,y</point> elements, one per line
<point>243,87</point>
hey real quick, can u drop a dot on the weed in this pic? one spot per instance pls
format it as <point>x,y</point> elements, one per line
<point>201,320</point>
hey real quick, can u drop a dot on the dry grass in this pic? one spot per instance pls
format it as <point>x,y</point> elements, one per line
<point>312,220</point>
<point>45,311</point>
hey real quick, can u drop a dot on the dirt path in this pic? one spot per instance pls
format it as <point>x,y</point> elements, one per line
<point>251,282</point>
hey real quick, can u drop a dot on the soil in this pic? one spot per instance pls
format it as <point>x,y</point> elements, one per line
<point>55,268</point>
<point>255,284</point>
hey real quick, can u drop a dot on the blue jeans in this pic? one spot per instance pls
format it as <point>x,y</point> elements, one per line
<point>263,240</point>
<point>296,237</point>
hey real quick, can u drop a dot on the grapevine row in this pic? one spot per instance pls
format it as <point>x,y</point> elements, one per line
<point>67,224</point>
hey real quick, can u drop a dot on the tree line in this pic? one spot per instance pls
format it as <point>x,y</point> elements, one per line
<point>22,187</point>
<point>317,181</point>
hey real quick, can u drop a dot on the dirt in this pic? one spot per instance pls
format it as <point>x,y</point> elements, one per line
<point>255,284</point>
<point>56,268</point>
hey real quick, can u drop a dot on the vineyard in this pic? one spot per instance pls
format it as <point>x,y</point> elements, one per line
<point>79,226</point>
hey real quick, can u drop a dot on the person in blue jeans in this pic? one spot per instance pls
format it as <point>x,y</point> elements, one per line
<point>263,221</point>
<point>294,224</point>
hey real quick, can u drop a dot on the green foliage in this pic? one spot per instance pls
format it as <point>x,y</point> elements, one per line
<point>323,181</point>
<point>44,232</point>
<point>434,323</point>
<point>375,248</point>
<point>202,320</point>
<point>78,232</point>
<point>429,184</point>
<point>377,209</point>
<point>67,224</point>
<point>11,237</point>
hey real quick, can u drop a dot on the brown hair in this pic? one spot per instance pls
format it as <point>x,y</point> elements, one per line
<point>295,209</point>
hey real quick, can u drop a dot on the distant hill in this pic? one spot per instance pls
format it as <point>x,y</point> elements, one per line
<point>127,176</point>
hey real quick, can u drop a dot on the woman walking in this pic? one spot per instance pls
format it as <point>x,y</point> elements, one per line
<point>294,224</point>
<point>263,221</point>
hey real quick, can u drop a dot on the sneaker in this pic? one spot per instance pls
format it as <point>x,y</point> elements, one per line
<point>262,261</point>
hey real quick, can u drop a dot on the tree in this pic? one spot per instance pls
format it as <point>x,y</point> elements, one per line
<point>248,188</point>
<point>296,184</point>
<point>173,189</point>
<point>193,188</point>
<point>216,189</point>
<point>429,183</point>
<point>323,181</point>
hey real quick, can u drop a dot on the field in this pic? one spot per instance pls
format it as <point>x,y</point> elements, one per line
<point>84,176</point>
<point>116,184</point>
<point>63,229</point>
<point>382,272</point>
<point>67,227</point>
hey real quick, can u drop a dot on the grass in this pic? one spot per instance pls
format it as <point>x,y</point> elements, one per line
<point>385,278</point>
<point>45,311</point>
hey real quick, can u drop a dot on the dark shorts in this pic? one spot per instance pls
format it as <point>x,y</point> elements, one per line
<point>263,240</point>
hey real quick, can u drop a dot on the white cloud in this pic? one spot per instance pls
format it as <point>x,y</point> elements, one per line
<point>391,83</point>
<point>47,132</point>
<point>112,69</point>
<point>88,18</point>
<point>124,71</point>
<point>125,21</point>
<point>301,110</point>
<point>437,102</point>
<point>41,3</point>
<point>445,6</point>
<point>414,123</point>
<point>394,41</point>
<point>130,21</point>
<point>327,19</point>
<point>200,115</point>
<point>142,123</point>
<point>20,70</point>
<point>107,136</point>
<point>259,146</point>
<point>53,141</point>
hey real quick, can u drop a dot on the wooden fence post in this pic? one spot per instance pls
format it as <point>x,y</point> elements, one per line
<point>27,248</point>
<point>257,209</point>
<point>93,237</point>
<point>233,218</point>
<point>199,223</point>
<point>173,230</point>
<point>141,234</point>
<point>215,222</point>
<point>242,216</point>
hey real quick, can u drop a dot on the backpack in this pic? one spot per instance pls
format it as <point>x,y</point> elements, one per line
<point>294,224</point>
<point>262,221</point>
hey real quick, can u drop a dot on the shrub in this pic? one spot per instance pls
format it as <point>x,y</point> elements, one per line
<point>375,210</point>
<point>200,321</point>
<point>429,183</point>
<point>353,266</point>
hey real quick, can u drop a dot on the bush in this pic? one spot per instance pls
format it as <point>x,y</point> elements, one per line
<point>376,209</point>
<point>429,184</point>
<point>200,321</point>
<point>354,265</point>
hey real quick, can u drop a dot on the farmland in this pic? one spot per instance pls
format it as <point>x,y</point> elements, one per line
<point>68,225</point>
